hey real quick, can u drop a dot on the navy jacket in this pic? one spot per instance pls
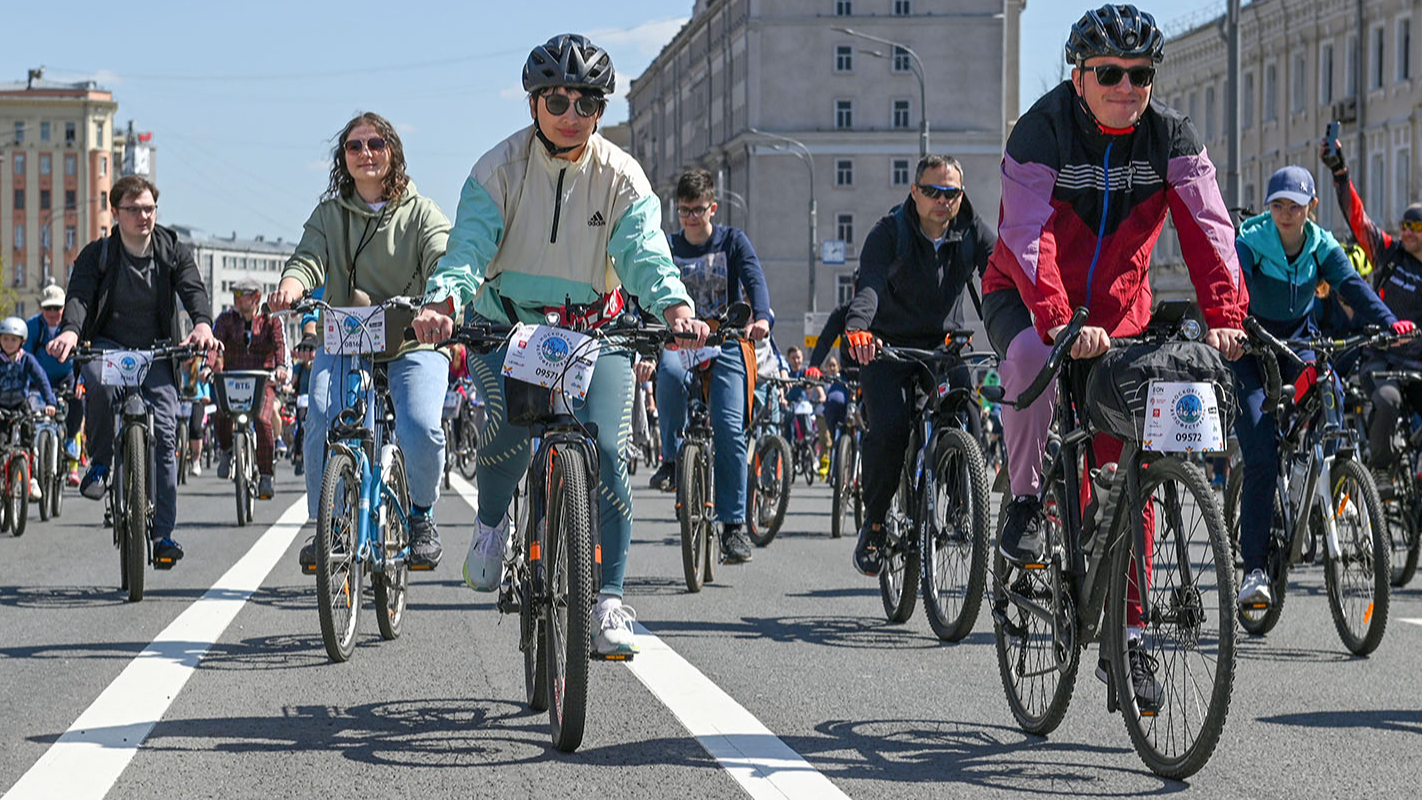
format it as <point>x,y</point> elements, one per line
<point>713,270</point>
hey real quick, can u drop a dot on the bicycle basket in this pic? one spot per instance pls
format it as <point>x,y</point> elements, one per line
<point>1116,387</point>
<point>526,403</point>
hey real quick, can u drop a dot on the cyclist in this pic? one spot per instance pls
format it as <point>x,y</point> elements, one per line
<point>194,388</point>
<point>374,237</point>
<point>717,264</point>
<point>42,328</point>
<point>913,270</point>
<point>20,377</point>
<point>799,422</point>
<point>507,256</point>
<point>251,339</point>
<point>1398,279</point>
<point>1089,173</point>
<point>121,295</point>
<point>303,354</point>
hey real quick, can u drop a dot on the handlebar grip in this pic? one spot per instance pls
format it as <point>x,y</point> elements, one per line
<point>1059,353</point>
<point>1257,332</point>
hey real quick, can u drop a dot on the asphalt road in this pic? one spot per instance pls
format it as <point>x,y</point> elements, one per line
<point>796,639</point>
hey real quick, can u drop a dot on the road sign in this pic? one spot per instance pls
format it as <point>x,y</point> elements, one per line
<point>814,323</point>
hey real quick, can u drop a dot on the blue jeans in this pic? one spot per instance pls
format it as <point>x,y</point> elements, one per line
<point>504,452</point>
<point>836,406</point>
<point>417,383</point>
<point>728,419</point>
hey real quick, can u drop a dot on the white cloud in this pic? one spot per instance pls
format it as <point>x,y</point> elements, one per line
<point>514,92</point>
<point>405,127</point>
<point>646,39</point>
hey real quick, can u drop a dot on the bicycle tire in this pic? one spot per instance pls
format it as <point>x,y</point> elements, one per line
<point>252,475</point>
<point>842,477</point>
<point>1362,594</point>
<point>392,584</point>
<point>44,448</point>
<point>1038,693</point>
<point>135,497</point>
<point>468,445</point>
<point>531,622</point>
<point>19,494</point>
<point>1177,632</point>
<point>451,454</point>
<point>338,575</point>
<point>1256,622</point>
<point>569,548</point>
<point>770,476</point>
<point>1401,513</point>
<point>899,575</point>
<point>691,510</point>
<point>242,488</point>
<point>954,545</point>
<point>184,457</point>
<point>56,494</point>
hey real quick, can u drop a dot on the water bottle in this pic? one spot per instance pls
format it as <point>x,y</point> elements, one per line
<point>1100,510</point>
<point>1298,476</point>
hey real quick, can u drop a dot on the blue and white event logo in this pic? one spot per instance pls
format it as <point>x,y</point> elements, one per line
<point>554,349</point>
<point>128,364</point>
<point>1188,409</point>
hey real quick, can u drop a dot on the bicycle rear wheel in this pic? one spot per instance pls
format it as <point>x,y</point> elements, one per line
<point>531,624</point>
<point>1257,621</point>
<point>955,538</point>
<point>898,578</point>
<point>1188,640</point>
<point>842,506</point>
<point>770,476</point>
<point>451,454</point>
<point>1359,577</point>
<point>694,514</point>
<point>135,500</point>
<point>19,499</point>
<point>468,460</point>
<point>391,581</point>
<point>568,549</point>
<point>338,574</point>
<point>1401,513</point>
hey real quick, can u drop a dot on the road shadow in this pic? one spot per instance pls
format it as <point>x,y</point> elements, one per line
<point>1258,648</point>
<point>850,632</point>
<point>1398,720</point>
<point>64,597</point>
<point>663,587</point>
<point>283,651</point>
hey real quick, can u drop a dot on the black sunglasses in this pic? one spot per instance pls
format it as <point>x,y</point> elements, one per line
<point>586,106</point>
<point>375,143</point>
<point>933,192</point>
<point>1110,75</point>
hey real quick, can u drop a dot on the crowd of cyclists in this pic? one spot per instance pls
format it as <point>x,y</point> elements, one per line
<point>557,226</point>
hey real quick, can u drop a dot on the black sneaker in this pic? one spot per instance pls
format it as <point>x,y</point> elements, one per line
<point>1149,694</point>
<point>95,483</point>
<point>735,544</point>
<point>265,490</point>
<point>425,550</point>
<point>868,553</point>
<point>664,478</point>
<point>166,553</point>
<point>307,557</point>
<point>1021,540</point>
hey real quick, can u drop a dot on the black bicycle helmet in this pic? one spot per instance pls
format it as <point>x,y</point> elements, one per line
<point>569,60</point>
<point>1122,31</point>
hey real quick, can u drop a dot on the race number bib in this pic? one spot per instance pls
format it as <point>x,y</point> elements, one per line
<point>804,408</point>
<point>124,368</point>
<point>1182,418</point>
<point>690,359</point>
<point>239,390</point>
<point>354,331</point>
<point>451,404</point>
<point>545,356</point>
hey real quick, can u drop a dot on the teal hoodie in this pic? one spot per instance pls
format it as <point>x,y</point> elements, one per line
<point>1281,290</point>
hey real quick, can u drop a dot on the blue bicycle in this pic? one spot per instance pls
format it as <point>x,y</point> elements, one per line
<point>362,522</point>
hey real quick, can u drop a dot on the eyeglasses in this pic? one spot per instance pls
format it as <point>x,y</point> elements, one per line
<point>140,211</point>
<point>375,143</point>
<point>699,211</point>
<point>586,105</point>
<point>1414,225</point>
<point>933,192</point>
<point>1110,75</point>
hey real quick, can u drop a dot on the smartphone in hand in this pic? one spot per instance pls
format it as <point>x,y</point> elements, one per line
<point>1330,139</point>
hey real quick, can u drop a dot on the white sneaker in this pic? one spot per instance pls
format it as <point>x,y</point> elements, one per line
<point>484,563</point>
<point>612,627</point>
<point>196,470</point>
<point>1255,589</point>
<point>35,493</point>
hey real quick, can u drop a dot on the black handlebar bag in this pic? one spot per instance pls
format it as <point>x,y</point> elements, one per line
<point>1116,388</point>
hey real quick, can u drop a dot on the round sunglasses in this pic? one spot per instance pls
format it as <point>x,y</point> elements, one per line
<point>586,106</point>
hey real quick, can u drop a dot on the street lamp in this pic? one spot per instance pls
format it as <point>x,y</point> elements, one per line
<point>803,153</point>
<point>917,64</point>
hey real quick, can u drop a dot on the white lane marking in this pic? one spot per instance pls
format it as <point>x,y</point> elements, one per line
<point>764,765</point>
<point>88,758</point>
<point>1413,620</point>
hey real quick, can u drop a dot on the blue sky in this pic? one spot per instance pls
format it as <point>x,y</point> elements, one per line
<point>243,98</point>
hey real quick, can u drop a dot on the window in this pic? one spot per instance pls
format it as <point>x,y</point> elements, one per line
<point>1325,75</point>
<point>1209,113</point>
<point>103,201</point>
<point>44,237</point>
<point>44,199</point>
<point>19,164</point>
<point>71,164</point>
<point>70,237</point>
<point>19,201</point>
<point>1404,49</point>
<point>844,172</point>
<point>843,288</point>
<point>1247,102</point>
<point>844,114</point>
<point>19,237</point>
<point>1377,61</point>
<point>44,131</point>
<point>44,162</point>
<point>1402,188</point>
<point>71,202</point>
<point>901,114</point>
<point>844,230</point>
<point>843,8</point>
<point>99,133</point>
<point>103,165</point>
<point>21,278</point>
<point>1296,82</point>
<point>902,61</point>
<point>1271,93</point>
<point>902,8</point>
<point>1192,106</point>
<point>843,58</point>
<point>1377,195</point>
<point>69,133</point>
<point>1350,67</point>
<point>19,133</point>
<point>899,172</point>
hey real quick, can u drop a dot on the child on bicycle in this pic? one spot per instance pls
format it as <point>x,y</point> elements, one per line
<point>21,376</point>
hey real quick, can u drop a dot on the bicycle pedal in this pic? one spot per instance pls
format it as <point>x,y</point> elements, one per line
<point>308,569</point>
<point>164,563</point>
<point>594,655</point>
<point>421,567</point>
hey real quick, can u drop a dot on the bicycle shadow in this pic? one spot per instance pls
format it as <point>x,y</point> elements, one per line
<point>849,632</point>
<point>76,597</point>
<point>281,651</point>
<point>1257,648</point>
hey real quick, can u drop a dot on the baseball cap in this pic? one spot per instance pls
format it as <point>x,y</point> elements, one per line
<point>245,285</point>
<point>1291,183</point>
<point>1413,213</point>
<point>52,297</point>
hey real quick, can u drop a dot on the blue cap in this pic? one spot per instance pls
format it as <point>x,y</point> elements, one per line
<point>1293,183</point>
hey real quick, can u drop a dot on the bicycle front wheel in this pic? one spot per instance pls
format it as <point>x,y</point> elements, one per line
<point>1175,681</point>
<point>842,506</point>
<point>240,458</point>
<point>770,475</point>
<point>694,513</point>
<point>19,482</point>
<point>468,455</point>
<point>898,577</point>
<point>135,500</point>
<point>568,548</point>
<point>1358,577</point>
<point>45,450</point>
<point>391,581</point>
<point>955,538</point>
<point>338,574</point>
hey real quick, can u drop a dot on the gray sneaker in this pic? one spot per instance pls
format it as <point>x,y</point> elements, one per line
<point>1254,591</point>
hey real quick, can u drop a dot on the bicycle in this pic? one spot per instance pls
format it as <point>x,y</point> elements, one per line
<point>462,418</point>
<point>846,479</point>
<point>804,439</point>
<point>1401,494</point>
<point>1323,491</point>
<point>552,577</point>
<point>133,486</point>
<point>49,455</point>
<point>362,520</point>
<point>1045,614</point>
<point>16,465</point>
<point>771,472</point>
<point>239,395</point>
<point>941,507</point>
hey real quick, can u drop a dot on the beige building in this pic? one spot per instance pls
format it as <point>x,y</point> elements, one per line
<point>1298,72</point>
<point>222,260</point>
<point>55,172</point>
<point>781,68</point>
